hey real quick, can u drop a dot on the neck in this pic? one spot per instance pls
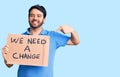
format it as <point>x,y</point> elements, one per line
<point>36,31</point>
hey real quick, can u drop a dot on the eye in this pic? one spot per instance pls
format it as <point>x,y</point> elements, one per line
<point>32,15</point>
<point>39,15</point>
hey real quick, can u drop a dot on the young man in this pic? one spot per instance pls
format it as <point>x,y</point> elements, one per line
<point>37,15</point>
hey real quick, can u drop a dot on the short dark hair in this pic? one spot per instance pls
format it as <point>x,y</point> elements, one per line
<point>40,8</point>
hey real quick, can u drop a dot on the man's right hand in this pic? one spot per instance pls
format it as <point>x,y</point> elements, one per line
<point>5,50</point>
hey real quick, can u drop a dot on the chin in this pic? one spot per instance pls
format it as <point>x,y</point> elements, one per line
<point>35,27</point>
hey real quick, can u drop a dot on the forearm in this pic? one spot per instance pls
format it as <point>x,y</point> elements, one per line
<point>74,38</point>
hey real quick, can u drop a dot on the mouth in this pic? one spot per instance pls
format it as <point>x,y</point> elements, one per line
<point>34,22</point>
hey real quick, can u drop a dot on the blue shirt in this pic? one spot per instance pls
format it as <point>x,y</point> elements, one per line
<point>56,40</point>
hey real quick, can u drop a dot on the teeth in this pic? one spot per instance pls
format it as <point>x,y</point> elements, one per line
<point>34,22</point>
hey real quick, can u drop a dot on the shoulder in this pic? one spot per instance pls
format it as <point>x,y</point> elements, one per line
<point>25,33</point>
<point>54,34</point>
<point>50,32</point>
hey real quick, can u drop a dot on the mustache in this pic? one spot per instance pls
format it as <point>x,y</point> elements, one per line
<point>34,20</point>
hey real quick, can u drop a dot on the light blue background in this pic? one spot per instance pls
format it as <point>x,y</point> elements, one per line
<point>96,21</point>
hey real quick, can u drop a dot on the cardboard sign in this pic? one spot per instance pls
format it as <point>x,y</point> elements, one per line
<point>28,49</point>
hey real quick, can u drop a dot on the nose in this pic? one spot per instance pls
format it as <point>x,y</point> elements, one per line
<point>35,17</point>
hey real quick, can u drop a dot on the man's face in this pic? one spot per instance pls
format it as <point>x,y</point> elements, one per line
<point>36,18</point>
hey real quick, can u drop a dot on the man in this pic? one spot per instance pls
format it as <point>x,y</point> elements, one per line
<point>37,16</point>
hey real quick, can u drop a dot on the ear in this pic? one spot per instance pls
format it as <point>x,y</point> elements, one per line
<point>44,20</point>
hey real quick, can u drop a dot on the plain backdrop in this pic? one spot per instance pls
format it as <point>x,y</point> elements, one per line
<point>96,21</point>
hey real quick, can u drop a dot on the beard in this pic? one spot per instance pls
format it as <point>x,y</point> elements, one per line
<point>35,27</point>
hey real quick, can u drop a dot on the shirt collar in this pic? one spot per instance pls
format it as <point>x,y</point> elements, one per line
<point>43,32</point>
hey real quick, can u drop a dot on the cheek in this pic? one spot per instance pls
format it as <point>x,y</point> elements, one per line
<point>30,20</point>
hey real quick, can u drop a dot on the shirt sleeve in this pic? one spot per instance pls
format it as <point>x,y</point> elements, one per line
<point>61,39</point>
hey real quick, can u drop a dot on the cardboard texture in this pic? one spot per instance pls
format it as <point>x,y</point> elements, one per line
<point>28,49</point>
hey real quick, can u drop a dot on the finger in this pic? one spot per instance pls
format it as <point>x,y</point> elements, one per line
<point>59,29</point>
<point>5,49</point>
<point>5,56</point>
<point>7,46</point>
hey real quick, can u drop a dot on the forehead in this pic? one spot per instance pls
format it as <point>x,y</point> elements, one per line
<point>35,11</point>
